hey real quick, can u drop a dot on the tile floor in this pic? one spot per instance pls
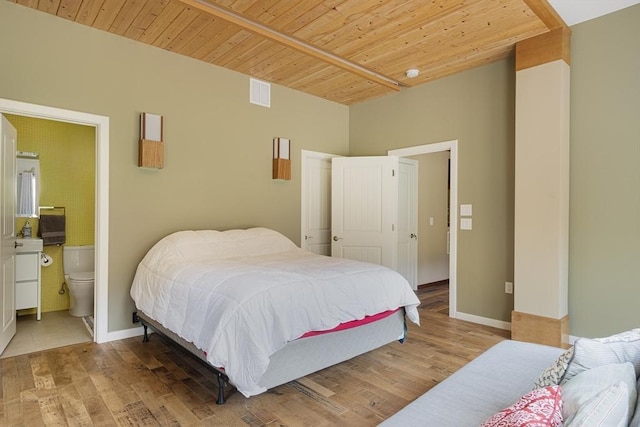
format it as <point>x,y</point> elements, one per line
<point>55,329</point>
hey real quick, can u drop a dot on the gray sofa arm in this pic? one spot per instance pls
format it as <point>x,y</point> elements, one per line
<point>493,381</point>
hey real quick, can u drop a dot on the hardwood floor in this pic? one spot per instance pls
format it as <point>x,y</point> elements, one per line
<point>435,297</point>
<point>128,383</point>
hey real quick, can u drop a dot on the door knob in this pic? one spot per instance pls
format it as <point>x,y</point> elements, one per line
<point>336,238</point>
<point>16,244</point>
<point>307,237</point>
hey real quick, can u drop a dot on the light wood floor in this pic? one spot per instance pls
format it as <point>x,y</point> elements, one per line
<point>128,383</point>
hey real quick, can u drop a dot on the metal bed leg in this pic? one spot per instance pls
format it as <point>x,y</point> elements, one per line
<point>221,383</point>
<point>222,378</point>
<point>145,338</point>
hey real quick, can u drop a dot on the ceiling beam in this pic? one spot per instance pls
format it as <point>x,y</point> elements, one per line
<point>547,14</point>
<point>292,42</point>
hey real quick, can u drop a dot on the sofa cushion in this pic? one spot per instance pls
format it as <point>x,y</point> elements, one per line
<point>635,421</point>
<point>588,353</point>
<point>580,391</point>
<point>538,408</point>
<point>609,408</point>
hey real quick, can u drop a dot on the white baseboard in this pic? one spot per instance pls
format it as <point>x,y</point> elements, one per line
<point>124,333</point>
<point>483,321</point>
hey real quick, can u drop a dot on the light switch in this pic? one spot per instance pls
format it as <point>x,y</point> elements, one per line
<point>466,210</point>
<point>430,220</point>
<point>465,223</point>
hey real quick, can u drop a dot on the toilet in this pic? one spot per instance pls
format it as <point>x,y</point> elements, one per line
<point>78,263</point>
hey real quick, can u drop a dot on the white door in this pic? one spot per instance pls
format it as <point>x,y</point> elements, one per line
<point>364,209</point>
<point>408,220</point>
<point>8,236</point>
<point>316,202</point>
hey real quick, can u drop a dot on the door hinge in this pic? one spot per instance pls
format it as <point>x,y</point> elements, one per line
<point>393,172</point>
<point>393,227</point>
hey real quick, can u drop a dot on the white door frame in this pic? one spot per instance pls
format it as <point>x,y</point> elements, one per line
<point>101,124</point>
<point>452,147</point>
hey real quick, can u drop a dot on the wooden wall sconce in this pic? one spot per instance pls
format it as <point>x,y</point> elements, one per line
<point>151,147</point>
<point>281,158</point>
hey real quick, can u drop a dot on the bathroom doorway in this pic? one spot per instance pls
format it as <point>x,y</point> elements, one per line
<point>98,140</point>
<point>66,179</point>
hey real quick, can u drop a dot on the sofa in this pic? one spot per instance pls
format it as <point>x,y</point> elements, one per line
<point>596,382</point>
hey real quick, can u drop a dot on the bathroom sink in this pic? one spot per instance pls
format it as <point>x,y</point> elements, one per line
<point>31,244</point>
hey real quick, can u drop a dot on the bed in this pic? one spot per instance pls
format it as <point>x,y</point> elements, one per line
<point>262,311</point>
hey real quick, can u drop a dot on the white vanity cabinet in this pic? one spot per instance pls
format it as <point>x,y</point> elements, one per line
<point>28,281</point>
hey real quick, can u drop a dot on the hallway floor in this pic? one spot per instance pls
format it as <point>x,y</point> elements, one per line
<point>55,329</point>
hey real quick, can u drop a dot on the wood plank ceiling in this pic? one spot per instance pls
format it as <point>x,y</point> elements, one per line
<point>347,51</point>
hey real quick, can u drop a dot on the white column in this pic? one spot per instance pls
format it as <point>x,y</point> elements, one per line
<point>541,247</point>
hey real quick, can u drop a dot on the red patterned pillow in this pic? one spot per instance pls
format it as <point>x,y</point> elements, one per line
<point>538,408</point>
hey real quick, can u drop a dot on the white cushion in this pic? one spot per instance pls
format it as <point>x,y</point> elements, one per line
<point>580,391</point>
<point>219,245</point>
<point>591,353</point>
<point>635,421</point>
<point>608,408</point>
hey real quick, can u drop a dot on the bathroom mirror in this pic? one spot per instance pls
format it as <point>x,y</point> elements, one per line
<point>28,176</point>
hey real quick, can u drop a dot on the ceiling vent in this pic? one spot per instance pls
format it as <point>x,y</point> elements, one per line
<point>259,93</point>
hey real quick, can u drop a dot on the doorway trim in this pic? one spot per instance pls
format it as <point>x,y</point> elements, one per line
<point>452,147</point>
<point>101,124</point>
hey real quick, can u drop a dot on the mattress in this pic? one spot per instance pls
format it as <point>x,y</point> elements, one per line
<point>241,295</point>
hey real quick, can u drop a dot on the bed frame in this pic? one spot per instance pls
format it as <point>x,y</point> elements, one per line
<point>303,356</point>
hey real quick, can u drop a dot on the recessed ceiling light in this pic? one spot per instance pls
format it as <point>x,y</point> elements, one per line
<point>412,72</point>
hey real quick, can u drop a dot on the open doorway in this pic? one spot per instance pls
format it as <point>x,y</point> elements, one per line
<point>433,226</point>
<point>64,156</point>
<point>101,219</point>
<point>316,208</point>
<point>448,149</point>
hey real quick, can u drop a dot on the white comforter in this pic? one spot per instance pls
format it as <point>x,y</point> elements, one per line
<point>241,295</point>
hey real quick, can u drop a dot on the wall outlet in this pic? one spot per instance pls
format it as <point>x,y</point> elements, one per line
<point>508,287</point>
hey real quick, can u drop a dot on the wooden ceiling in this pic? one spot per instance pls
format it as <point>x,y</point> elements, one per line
<point>347,51</point>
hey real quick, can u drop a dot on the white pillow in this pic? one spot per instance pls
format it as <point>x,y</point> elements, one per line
<point>586,393</point>
<point>590,353</point>
<point>607,409</point>
<point>218,245</point>
<point>635,421</point>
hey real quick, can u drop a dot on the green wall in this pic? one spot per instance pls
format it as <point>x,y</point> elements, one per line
<point>218,146</point>
<point>477,108</point>
<point>604,237</point>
